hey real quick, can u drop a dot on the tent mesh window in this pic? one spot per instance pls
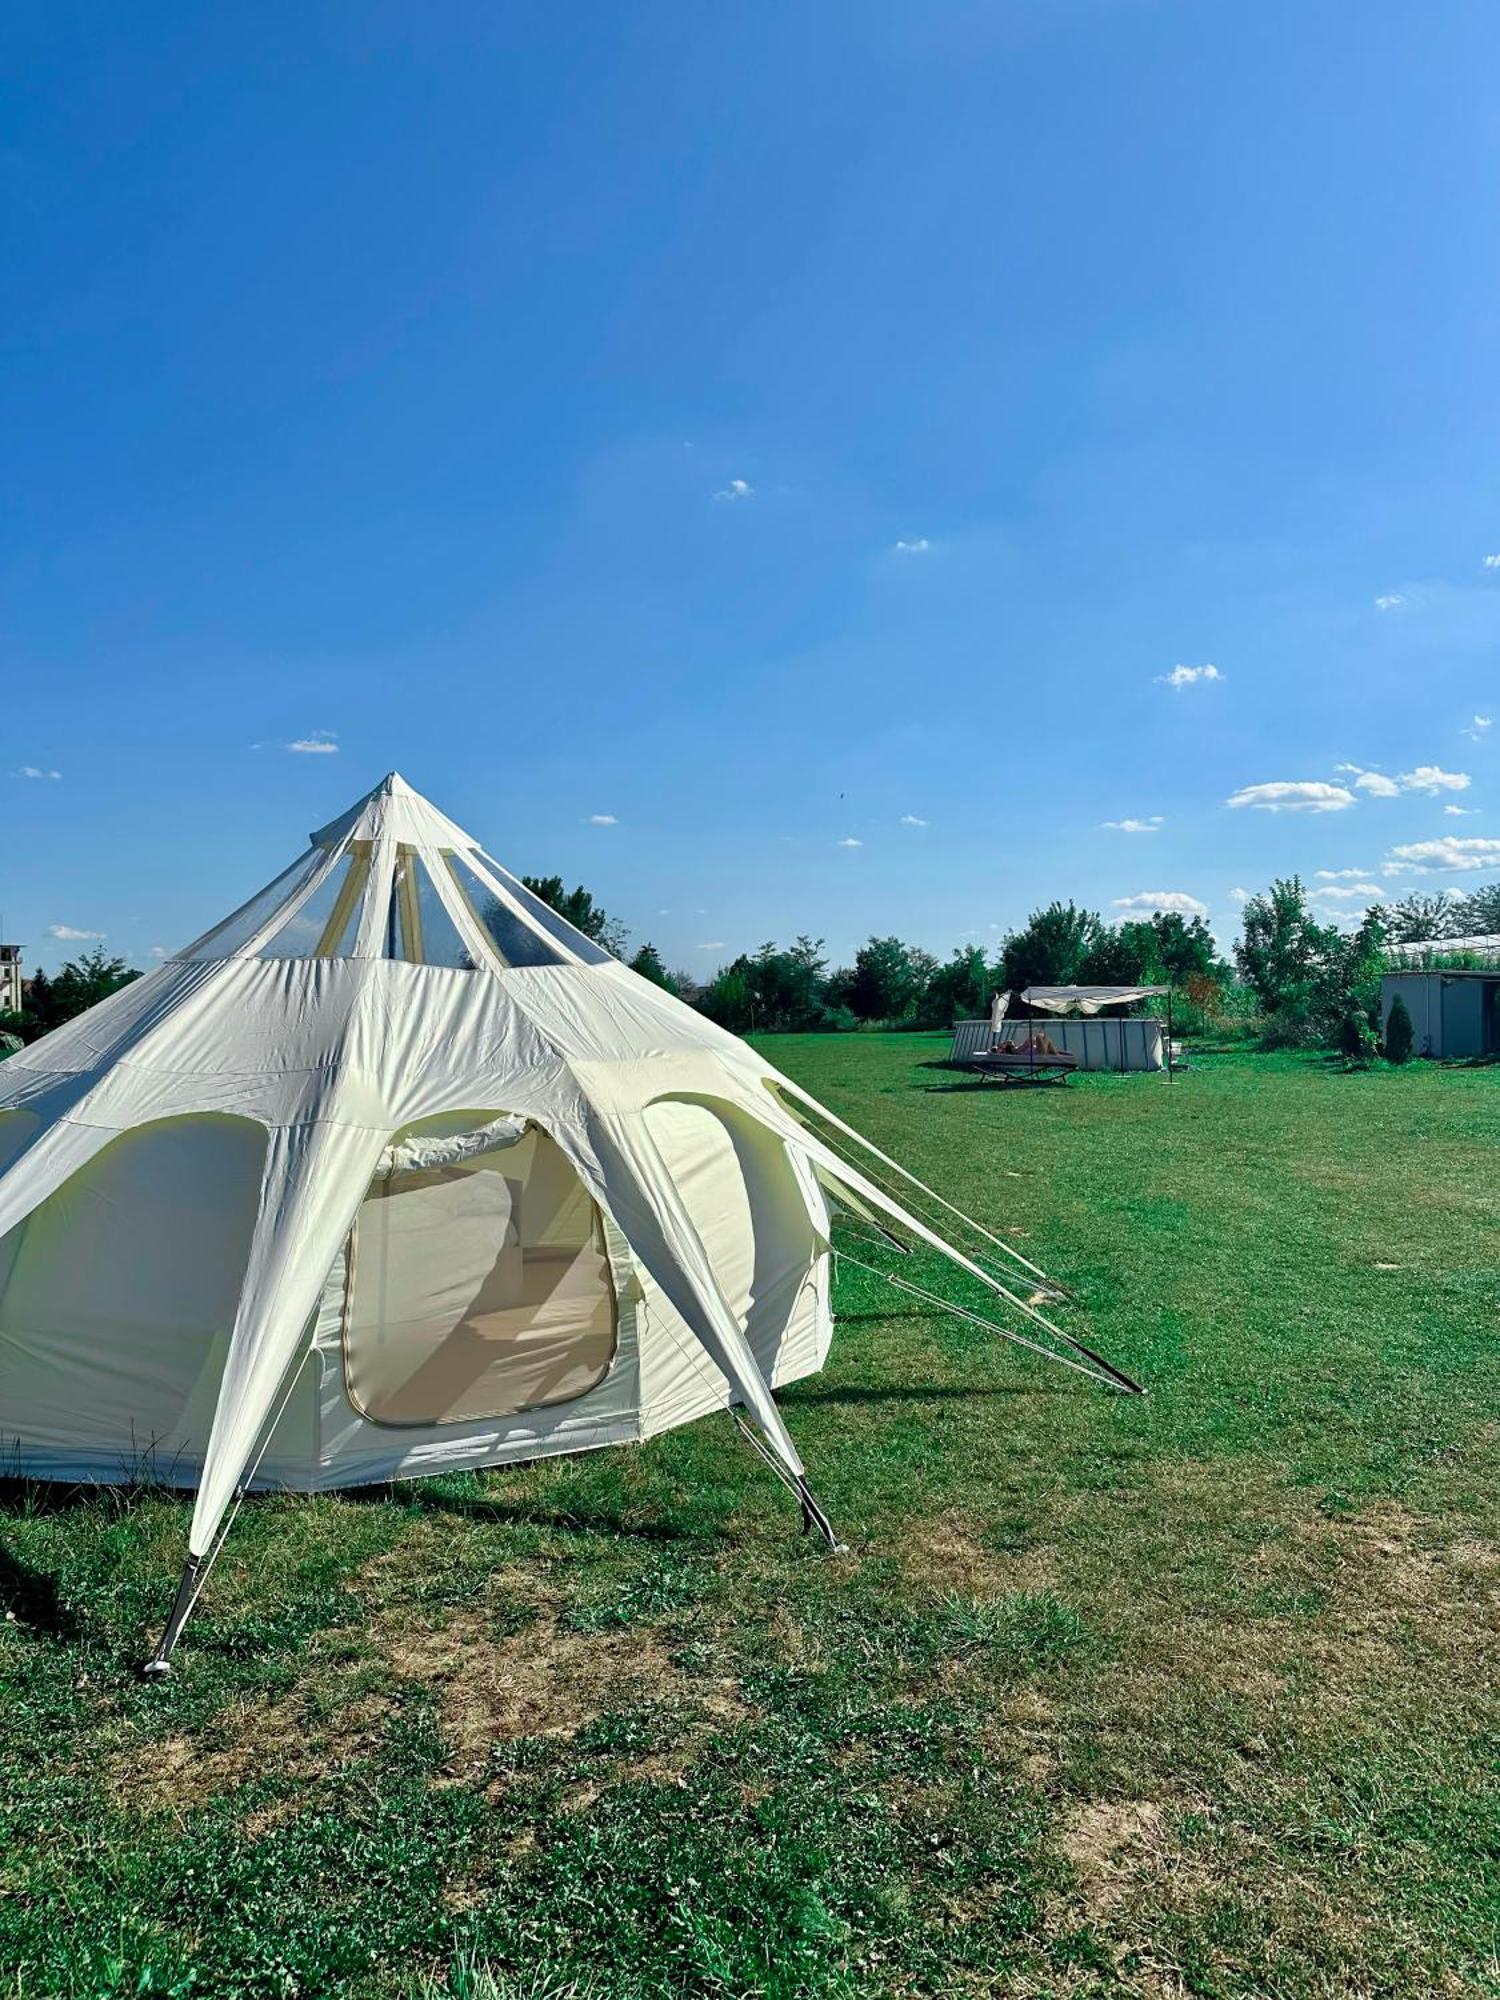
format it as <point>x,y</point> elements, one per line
<point>327,925</point>
<point>478,1290</point>
<point>236,931</point>
<point>514,940</point>
<point>546,918</point>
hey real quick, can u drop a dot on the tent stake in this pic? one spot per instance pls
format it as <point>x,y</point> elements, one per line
<point>160,1663</point>
<point>814,1517</point>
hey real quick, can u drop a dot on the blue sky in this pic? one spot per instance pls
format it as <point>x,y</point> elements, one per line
<point>767,428</point>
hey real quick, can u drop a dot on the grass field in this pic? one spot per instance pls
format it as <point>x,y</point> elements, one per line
<point>1194,1693</point>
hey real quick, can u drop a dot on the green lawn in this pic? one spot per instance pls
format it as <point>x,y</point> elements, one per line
<point>1198,1692</point>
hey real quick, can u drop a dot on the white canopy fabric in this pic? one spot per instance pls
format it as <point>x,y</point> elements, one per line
<point>397,1019</point>
<point>1085,999</point>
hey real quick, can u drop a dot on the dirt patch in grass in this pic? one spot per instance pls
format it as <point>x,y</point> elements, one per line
<point>252,1740</point>
<point>1110,1843</point>
<point>491,1686</point>
<point>547,1681</point>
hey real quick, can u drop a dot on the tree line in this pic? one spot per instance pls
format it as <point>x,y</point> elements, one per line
<point>1293,981</point>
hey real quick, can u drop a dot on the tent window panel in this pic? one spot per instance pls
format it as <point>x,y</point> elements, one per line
<point>327,925</point>
<point>441,942</point>
<point>478,1291</point>
<point>418,928</point>
<point>514,940</point>
<point>236,931</point>
<point>547,919</point>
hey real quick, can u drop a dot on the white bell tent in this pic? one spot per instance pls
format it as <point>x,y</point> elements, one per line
<point>395,1172</point>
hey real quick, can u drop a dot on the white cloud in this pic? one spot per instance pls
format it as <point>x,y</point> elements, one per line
<point>36,771</point>
<point>1340,874</point>
<point>916,548</point>
<point>1174,901</point>
<point>1459,812</point>
<point>850,841</point>
<point>316,743</point>
<point>911,819</point>
<point>1182,677</point>
<point>1449,854</point>
<point>70,934</point>
<point>1431,778</point>
<point>1239,895</point>
<point>1491,562</point>
<point>1476,729</point>
<point>1390,602</point>
<point>1376,783</point>
<point>602,819</point>
<point>1132,825</point>
<point>714,944</point>
<point>737,489</point>
<point>1293,795</point>
<point>1352,891</point>
<point>157,951</point>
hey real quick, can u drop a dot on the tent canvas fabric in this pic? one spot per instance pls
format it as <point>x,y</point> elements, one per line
<point>394,1172</point>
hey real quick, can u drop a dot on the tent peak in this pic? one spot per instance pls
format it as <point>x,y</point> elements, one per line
<point>395,810</point>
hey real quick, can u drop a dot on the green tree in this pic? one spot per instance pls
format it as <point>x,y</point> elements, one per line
<point>82,983</point>
<point>1478,915</point>
<point>1052,948</point>
<point>959,990</point>
<point>647,962</point>
<point>1283,951</point>
<point>1400,1036</point>
<point>889,980</point>
<point>1421,917</point>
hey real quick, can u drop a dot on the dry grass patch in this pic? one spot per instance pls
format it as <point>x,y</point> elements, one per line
<point>491,1686</point>
<point>945,1556</point>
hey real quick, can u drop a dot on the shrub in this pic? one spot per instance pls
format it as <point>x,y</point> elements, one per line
<point>1357,1042</point>
<point>1400,1036</point>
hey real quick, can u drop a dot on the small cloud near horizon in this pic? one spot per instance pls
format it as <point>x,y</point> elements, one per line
<point>1239,895</point>
<point>737,489</point>
<point>911,819</point>
<point>919,547</point>
<point>1132,825</point>
<point>1184,677</point>
<point>36,771</point>
<point>714,944</point>
<point>602,819</point>
<point>1390,601</point>
<point>1476,729</point>
<point>1459,812</point>
<point>316,743</point>
<point>850,841</point>
<point>1293,795</point>
<point>1175,902</point>
<point>1341,874</point>
<point>70,934</point>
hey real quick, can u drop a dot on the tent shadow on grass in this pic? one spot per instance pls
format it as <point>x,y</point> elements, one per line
<point>499,1511</point>
<point>895,1392</point>
<point>30,1597</point>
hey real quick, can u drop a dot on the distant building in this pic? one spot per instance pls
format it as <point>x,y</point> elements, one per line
<point>10,979</point>
<point>1453,1013</point>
